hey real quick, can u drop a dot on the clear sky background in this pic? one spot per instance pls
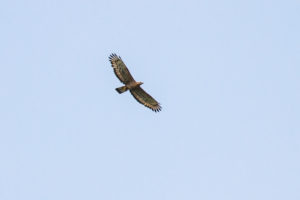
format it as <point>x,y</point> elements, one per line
<point>227,74</point>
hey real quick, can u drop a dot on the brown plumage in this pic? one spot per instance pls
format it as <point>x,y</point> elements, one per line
<point>122,72</point>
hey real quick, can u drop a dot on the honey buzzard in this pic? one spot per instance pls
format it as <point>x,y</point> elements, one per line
<point>122,72</point>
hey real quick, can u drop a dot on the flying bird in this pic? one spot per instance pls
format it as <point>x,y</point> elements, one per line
<point>123,74</point>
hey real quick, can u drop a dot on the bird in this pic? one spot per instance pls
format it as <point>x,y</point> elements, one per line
<point>123,74</point>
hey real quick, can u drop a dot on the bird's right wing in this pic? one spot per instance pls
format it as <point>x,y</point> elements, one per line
<point>120,69</point>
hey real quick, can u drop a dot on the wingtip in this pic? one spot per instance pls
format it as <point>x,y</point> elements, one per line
<point>157,109</point>
<point>113,56</point>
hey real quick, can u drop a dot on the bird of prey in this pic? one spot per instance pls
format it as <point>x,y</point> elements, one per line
<point>122,72</point>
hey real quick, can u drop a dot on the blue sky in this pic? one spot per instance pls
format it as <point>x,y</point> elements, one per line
<point>225,72</point>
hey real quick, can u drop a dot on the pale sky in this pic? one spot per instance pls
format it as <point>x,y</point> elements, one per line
<point>227,74</point>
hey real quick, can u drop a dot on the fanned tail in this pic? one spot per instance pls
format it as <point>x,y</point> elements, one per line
<point>122,89</point>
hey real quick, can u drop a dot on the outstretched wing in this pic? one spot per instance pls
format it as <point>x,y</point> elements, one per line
<point>120,69</point>
<point>144,98</point>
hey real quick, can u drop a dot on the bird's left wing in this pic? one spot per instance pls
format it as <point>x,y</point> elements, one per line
<point>144,98</point>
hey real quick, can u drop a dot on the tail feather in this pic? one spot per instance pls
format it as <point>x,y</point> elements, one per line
<point>121,89</point>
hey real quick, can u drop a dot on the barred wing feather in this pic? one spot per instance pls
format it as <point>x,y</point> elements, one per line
<point>120,69</point>
<point>144,98</point>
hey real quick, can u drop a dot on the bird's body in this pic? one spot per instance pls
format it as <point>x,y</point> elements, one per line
<point>133,85</point>
<point>128,86</point>
<point>122,72</point>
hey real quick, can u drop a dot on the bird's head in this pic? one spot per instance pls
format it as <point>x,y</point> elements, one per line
<point>140,83</point>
